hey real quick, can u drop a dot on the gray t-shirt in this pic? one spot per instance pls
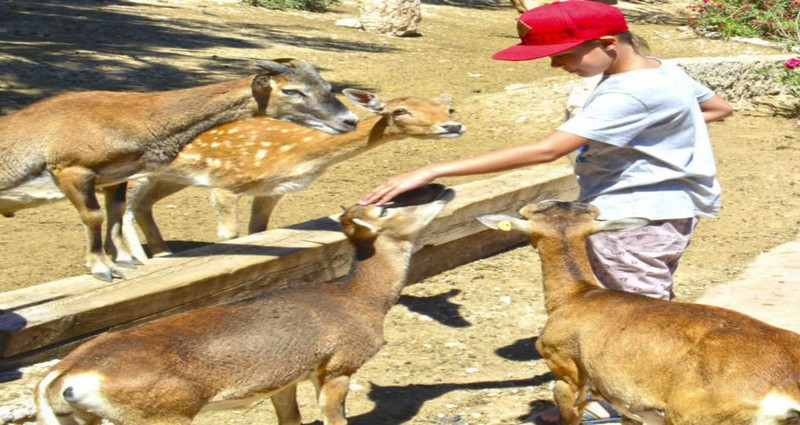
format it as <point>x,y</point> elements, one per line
<point>650,154</point>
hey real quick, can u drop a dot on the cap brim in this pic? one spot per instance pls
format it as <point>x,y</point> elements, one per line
<point>524,52</point>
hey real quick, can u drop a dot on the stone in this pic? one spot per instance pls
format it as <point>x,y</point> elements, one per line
<point>393,17</point>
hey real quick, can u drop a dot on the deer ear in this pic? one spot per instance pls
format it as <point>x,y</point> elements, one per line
<point>365,227</point>
<point>505,223</point>
<point>620,224</point>
<point>365,100</point>
<point>261,90</point>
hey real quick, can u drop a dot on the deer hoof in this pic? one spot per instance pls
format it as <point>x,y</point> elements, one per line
<point>128,264</point>
<point>108,275</point>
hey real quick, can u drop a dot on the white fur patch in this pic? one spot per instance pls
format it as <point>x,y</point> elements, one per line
<point>774,408</point>
<point>38,190</point>
<point>86,392</point>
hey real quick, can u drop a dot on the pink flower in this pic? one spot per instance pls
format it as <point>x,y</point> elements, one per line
<point>792,63</point>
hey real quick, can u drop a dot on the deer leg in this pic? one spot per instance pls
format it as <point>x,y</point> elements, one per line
<point>285,403</point>
<point>331,395</point>
<point>226,208</point>
<point>260,212</point>
<point>569,391</point>
<point>78,185</point>
<point>116,243</point>
<point>143,196</point>
<point>567,399</point>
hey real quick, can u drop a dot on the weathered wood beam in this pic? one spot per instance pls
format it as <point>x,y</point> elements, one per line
<point>47,320</point>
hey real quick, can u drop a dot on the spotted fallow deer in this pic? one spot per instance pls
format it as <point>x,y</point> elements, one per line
<point>266,158</point>
<point>73,144</point>
<point>658,362</point>
<point>168,370</point>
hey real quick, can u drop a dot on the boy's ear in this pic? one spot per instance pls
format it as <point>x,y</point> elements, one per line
<point>608,41</point>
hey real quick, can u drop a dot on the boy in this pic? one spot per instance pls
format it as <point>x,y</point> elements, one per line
<point>642,142</point>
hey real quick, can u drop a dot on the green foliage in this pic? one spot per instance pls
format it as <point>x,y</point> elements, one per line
<point>773,20</point>
<point>307,5</point>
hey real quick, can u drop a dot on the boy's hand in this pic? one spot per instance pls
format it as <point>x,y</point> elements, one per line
<point>397,185</point>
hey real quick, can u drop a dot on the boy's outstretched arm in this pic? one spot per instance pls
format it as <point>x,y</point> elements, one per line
<point>553,146</point>
<point>715,108</point>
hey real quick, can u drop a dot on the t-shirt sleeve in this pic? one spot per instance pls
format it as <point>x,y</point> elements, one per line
<point>613,118</point>
<point>702,92</point>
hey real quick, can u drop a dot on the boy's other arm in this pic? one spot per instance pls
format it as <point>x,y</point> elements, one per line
<point>715,109</point>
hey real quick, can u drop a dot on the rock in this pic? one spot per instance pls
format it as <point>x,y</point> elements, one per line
<point>350,23</point>
<point>393,17</point>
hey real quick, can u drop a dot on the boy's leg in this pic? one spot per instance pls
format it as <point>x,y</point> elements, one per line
<point>642,260</point>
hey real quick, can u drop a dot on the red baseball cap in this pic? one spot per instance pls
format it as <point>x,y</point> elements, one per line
<point>556,27</point>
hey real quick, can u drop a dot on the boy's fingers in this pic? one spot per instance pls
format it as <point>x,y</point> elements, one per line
<point>374,195</point>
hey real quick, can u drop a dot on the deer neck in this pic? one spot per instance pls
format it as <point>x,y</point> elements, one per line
<point>370,133</point>
<point>565,271</point>
<point>380,271</point>
<point>197,109</point>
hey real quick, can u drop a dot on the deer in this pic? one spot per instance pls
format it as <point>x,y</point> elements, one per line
<point>267,158</point>
<point>73,144</point>
<point>169,370</point>
<point>656,361</point>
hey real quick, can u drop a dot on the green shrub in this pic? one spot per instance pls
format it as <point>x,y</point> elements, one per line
<point>773,20</point>
<point>308,5</point>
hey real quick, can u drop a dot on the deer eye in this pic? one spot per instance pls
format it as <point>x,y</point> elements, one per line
<point>292,92</point>
<point>384,212</point>
<point>399,111</point>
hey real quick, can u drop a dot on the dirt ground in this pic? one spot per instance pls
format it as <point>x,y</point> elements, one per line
<point>460,344</point>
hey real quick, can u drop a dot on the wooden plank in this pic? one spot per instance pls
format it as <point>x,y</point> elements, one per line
<point>48,319</point>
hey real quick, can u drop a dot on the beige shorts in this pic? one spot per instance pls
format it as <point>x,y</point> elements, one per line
<point>643,260</point>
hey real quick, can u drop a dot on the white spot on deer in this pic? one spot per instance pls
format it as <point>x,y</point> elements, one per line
<point>233,130</point>
<point>261,154</point>
<point>214,144</point>
<point>286,148</point>
<point>201,180</point>
<point>266,144</point>
<point>284,130</point>
<point>213,162</point>
<point>190,156</point>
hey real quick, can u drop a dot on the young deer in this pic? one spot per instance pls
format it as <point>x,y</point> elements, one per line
<point>168,370</point>
<point>658,362</point>
<point>266,158</point>
<point>73,144</point>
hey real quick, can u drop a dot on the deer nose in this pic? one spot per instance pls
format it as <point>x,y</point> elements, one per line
<point>350,122</point>
<point>454,128</point>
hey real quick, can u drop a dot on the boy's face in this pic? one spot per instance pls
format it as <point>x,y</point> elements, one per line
<point>589,59</point>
